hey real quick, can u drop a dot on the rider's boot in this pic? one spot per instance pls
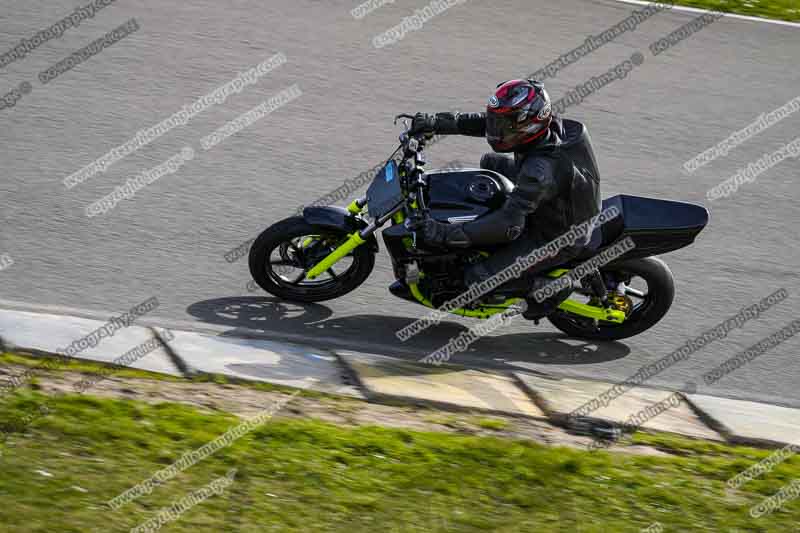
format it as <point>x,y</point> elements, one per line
<point>542,300</point>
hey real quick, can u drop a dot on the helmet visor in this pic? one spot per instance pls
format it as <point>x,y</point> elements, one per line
<point>506,131</point>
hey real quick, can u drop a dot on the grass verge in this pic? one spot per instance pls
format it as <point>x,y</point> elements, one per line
<point>306,475</point>
<point>788,10</point>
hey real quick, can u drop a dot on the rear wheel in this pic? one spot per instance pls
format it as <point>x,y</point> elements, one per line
<point>282,255</point>
<point>649,295</point>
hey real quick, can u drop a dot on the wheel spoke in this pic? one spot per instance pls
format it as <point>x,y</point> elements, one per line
<point>635,293</point>
<point>299,278</point>
<point>294,247</point>
<point>333,274</point>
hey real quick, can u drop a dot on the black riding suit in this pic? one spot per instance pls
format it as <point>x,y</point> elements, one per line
<point>557,186</point>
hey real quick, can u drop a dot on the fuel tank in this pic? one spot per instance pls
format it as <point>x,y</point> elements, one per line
<point>462,195</point>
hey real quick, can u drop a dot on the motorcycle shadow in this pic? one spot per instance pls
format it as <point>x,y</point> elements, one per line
<point>314,324</point>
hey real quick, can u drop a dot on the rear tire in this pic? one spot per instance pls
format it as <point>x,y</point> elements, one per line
<point>363,261</point>
<point>660,294</point>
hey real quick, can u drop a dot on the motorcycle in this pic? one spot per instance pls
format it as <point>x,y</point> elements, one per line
<point>329,251</point>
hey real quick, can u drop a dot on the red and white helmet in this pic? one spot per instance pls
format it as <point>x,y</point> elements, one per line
<point>518,113</point>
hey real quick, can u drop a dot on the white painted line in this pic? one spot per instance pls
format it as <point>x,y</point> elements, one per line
<point>727,15</point>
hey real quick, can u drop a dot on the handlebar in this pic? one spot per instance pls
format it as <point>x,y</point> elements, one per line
<point>406,136</point>
<point>403,115</point>
<point>413,160</point>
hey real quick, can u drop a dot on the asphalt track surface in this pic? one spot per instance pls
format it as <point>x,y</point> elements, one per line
<point>169,240</point>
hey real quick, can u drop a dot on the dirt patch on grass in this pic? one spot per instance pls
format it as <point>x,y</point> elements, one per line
<point>245,401</point>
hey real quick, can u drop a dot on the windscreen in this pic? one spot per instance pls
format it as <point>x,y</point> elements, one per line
<point>385,192</point>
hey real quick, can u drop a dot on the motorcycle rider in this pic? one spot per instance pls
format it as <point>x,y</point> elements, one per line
<point>556,177</point>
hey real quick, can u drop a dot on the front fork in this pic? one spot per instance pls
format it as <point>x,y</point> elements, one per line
<point>354,240</point>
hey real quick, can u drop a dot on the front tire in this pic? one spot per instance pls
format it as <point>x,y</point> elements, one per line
<point>300,245</point>
<point>646,313</point>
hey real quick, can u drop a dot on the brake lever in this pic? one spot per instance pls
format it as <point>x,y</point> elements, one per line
<point>403,115</point>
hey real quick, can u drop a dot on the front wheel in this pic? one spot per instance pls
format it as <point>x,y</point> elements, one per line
<point>651,290</point>
<point>284,252</point>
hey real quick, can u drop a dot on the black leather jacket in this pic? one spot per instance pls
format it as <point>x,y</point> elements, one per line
<point>556,177</point>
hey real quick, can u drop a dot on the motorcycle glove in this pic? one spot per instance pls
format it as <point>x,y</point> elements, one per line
<point>471,124</point>
<point>435,233</point>
<point>423,123</point>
